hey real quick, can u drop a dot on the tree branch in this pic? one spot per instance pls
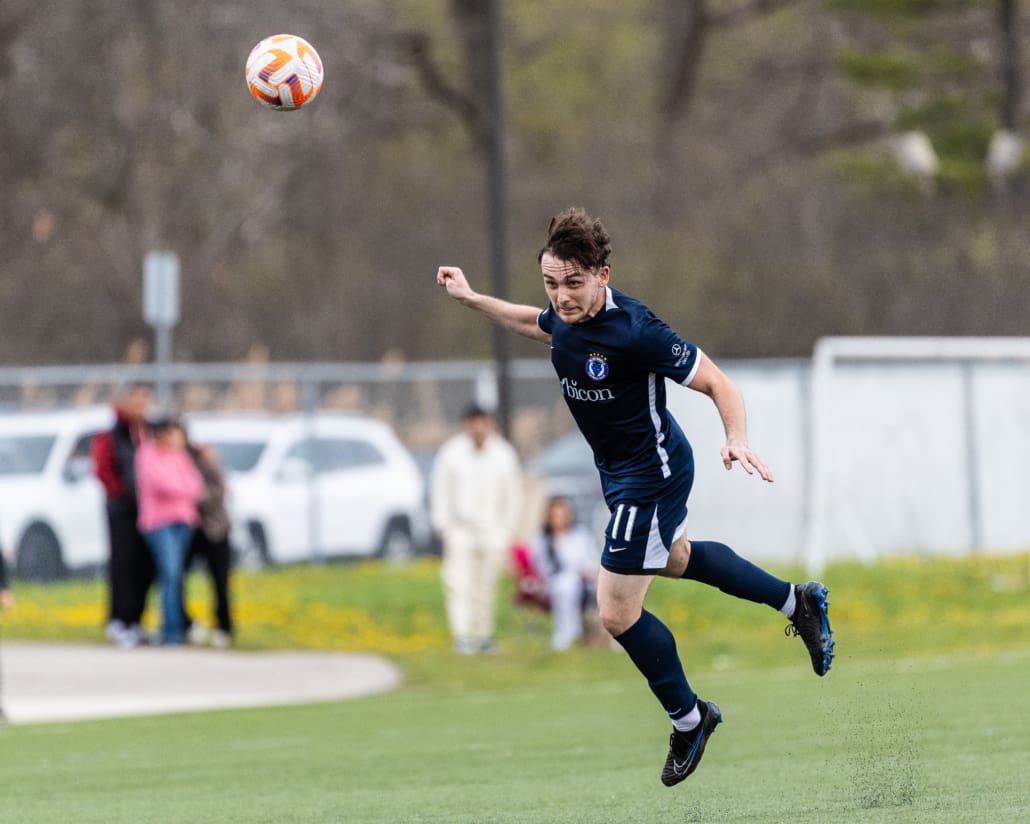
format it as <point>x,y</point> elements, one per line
<point>417,47</point>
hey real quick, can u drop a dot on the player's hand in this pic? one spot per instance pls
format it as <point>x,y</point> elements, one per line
<point>6,599</point>
<point>453,280</point>
<point>743,454</point>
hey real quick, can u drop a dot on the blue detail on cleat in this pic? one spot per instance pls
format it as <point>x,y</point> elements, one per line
<point>811,621</point>
<point>825,635</point>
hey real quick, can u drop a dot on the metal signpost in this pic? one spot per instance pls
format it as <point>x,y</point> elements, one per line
<point>161,310</point>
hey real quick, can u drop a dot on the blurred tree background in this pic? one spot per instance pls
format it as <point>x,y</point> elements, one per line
<point>771,170</point>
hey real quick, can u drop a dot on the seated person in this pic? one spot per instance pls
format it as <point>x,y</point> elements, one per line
<point>566,556</point>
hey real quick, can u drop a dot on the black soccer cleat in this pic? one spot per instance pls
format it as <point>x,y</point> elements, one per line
<point>686,748</point>
<point>811,621</point>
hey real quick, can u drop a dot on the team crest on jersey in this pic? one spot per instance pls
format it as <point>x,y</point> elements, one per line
<point>597,367</point>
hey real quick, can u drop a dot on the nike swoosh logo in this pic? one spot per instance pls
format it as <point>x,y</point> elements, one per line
<point>617,548</point>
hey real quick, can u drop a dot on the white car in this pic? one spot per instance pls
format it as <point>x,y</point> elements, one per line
<point>303,487</point>
<point>51,506</point>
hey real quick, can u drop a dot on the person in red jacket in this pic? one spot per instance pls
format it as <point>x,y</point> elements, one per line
<point>130,569</point>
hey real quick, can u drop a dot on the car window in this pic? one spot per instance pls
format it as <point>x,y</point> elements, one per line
<point>303,451</point>
<point>81,448</point>
<point>336,454</point>
<point>239,456</point>
<point>78,464</point>
<point>24,454</point>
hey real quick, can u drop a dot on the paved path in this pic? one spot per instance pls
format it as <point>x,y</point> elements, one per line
<point>61,682</point>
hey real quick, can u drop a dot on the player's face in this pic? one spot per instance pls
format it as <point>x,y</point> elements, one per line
<point>575,292</point>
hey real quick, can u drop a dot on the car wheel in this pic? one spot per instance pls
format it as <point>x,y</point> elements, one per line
<point>397,546</point>
<point>253,554</point>
<point>39,555</point>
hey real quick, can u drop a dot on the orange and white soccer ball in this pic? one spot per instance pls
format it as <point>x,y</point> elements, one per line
<point>284,72</point>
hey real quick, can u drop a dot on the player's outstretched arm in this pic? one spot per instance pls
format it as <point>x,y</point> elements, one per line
<point>712,381</point>
<point>515,316</point>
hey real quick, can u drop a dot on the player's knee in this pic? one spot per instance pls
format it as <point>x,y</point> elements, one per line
<point>616,620</point>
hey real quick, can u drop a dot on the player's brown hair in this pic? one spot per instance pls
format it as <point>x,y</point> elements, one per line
<point>574,235</point>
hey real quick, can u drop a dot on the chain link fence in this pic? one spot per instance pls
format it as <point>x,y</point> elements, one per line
<point>422,402</point>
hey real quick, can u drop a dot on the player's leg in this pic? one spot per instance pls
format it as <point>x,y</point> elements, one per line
<point>715,564</point>
<point>719,566</point>
<point>652,648</point>
<point>647,641</point>
<point>638,540</point>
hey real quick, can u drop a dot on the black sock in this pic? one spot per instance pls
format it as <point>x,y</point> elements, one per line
<point>653,649</point>
<point>719,566</point>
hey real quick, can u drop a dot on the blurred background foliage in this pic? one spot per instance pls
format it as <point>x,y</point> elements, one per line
<point>743,154</point>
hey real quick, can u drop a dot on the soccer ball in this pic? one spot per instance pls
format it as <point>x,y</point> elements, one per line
<point>284,72</point>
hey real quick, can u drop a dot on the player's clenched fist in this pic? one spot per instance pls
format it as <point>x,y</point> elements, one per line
<point>446,273</point>
<point>453,280</point>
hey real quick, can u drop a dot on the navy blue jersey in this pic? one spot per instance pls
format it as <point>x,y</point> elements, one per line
<point>612,369</point>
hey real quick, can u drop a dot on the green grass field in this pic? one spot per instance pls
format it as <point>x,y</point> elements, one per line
<point>925,716</point>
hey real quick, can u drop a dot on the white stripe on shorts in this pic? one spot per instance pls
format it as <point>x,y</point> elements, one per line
<point>629,522</point>
<point>615,523</point>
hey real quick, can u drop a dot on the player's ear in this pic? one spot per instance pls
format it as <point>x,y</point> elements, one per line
<point>602,275</point>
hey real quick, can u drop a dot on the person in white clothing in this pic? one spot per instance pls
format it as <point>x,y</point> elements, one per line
<point>566,555</point>
<point>476,502</point>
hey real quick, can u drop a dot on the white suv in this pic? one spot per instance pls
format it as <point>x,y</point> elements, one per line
<point>303,487</point>
<point>51,506</point>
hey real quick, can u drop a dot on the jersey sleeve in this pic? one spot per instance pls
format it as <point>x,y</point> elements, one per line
<point>664,352</point>
<point>545,320</point>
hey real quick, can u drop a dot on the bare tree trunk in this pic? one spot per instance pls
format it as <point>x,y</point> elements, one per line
<point>1011,64</point>
<point>472,20</point>
<point>469,98</point>
<point>479,101</point>
<point>686,28</point>
<point>686,25</point>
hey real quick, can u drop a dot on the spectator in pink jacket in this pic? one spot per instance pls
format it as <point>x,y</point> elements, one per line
<point>168,487</point>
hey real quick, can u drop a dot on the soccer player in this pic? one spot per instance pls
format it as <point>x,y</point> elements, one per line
<point>612,356</point>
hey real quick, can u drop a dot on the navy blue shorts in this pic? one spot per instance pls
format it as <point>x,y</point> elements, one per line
<point>641,530</point>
